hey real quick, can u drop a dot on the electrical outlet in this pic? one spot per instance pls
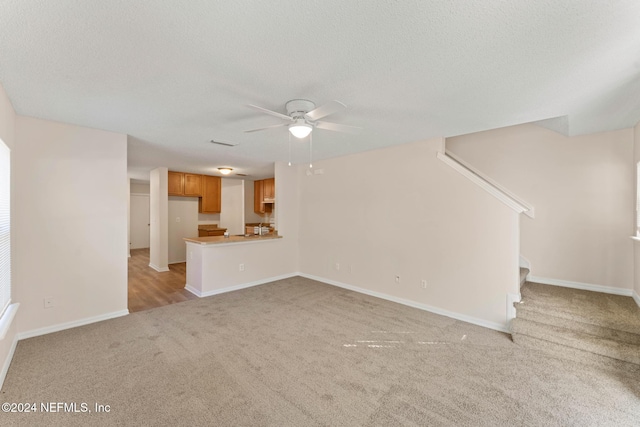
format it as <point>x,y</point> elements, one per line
<point>48,302</point>
<point>178,219</point>
<point>397,278</point>
<point>241,267</point>
<point>337,266</point>
<point>423,284</point>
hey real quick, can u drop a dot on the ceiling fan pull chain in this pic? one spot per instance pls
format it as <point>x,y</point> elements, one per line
<point>289,148</point>
<point>310,150</point>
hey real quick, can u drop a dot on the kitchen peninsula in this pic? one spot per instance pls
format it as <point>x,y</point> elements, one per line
<point>218,264</point>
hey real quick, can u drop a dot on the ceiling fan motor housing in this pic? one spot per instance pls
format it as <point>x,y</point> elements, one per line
<point>299,107</point>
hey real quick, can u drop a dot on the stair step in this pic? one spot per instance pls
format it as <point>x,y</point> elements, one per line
<point>579,356</point>
<point>612,348</point>
<point>535,314</point>
<point>614,312</point>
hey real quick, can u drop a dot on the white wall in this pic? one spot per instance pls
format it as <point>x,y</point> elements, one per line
<point>419,219</point>
<point>636,244</point>
<point>186,209</point>
<point>582,191</point>
<point>7,123</point>
<point>140,188</point>
<point>287,216</point>
<point>232,213</point>
<point>70,224</point>
<point>159,217</point>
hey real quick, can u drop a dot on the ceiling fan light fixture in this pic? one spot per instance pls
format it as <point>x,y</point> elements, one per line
<point>300,129</point>
<point>225,171</point>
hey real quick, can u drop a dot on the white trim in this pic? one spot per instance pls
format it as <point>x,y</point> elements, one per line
<point>193,290</point>
<point>636,298</point>
<point>7,319</point>
<point>524,263</point>
<point>511,309</point>
<point>68,325</point>
<point>425,307</point>
<point>579,285</point>
<point>529,209</point>
<point>197,293</point>
<point>636,238</point>
<point>7,362</point>
<point>158,269</point>
<point>484,184</point>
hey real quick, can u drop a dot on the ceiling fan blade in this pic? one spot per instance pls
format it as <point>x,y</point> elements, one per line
<point>265,128</point>
<point>338,127</point>
<point>273,113</point>
<point>325,110</point>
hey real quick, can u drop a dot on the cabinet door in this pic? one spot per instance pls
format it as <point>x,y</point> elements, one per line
<point>175,183</point>
<point>210,201</point>
<point>269,189</point>
<point>258,192</point>
<point>192,185</point>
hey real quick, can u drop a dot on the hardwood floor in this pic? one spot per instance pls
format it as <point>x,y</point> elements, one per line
<point>149,288</point>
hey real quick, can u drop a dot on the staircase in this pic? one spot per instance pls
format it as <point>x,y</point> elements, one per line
<point>584,326</point>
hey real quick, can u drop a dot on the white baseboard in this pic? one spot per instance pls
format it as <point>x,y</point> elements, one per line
<point>159,269</point>
<point>425,307</point>
<point>68,325</point>
<point>636,298</point>
<point>193,290</point>
<point>7,362</point>
<point>579,285</point>
<point>197,293</point>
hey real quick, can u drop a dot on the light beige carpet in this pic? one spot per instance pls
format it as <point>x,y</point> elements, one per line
<point>301,353</point>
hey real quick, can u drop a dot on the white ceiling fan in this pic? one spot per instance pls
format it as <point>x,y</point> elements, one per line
<point>302,116</point>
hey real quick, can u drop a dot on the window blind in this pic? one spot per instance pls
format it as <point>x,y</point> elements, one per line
<point>5,227</point>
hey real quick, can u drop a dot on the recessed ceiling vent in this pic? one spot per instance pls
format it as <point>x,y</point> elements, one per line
<point>225,143</point>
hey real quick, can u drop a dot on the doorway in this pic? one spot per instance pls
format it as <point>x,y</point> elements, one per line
<point>139,221</point>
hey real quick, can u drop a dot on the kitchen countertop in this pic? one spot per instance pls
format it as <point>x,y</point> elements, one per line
<point>221,240</point>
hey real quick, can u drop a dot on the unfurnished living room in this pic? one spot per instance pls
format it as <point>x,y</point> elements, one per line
<point>336,213</point>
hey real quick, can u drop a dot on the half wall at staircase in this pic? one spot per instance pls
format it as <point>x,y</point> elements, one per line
<point>582,190</point>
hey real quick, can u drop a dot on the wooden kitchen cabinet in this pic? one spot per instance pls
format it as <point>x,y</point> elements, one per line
<point>259,205</point>
<point>269,189</point>
<point>207,233</point>
<point>192,185</point>
<point>175,183</point>
<point>184,184</point>
<point>210,202</point>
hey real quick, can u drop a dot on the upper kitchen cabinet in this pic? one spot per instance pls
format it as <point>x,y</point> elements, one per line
<point>264,193</point>
<point>184,184</point>
<point>192,185</point>
<point>269,190</point>
<point>175,183</point>
<point>210,202</point>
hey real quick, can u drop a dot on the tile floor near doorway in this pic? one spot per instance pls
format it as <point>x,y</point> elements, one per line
<point>149,288</point>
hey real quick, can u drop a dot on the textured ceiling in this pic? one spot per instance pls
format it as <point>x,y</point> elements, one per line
<point>174,74</point>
